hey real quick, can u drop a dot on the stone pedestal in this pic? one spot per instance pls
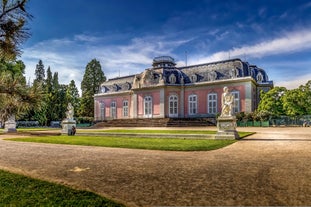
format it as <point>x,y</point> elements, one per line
<point>67,125</point>
<point>10,126</point>
<point>227,128</point>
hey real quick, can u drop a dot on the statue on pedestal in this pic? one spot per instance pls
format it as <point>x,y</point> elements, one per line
<point>69,124</point>
<point>226,122</point>
<point>10,124</point>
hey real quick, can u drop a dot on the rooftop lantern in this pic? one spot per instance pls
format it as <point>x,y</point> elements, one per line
<point>163,62</point>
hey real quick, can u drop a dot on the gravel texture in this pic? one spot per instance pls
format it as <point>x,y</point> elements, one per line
<point>270,168</point>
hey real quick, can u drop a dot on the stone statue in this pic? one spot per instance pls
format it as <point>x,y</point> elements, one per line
<point>136,82</point>
<point>70,112</point>
<point>227,101</point>
<point>69,124</point>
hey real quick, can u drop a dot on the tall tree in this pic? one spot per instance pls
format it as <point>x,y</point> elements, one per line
<point>13,18</point>
<point>72,95</point>
<point>90,85</point>
<point>39,73</point>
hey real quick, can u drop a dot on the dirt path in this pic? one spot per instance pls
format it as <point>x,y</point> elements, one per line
<point>272,167</point>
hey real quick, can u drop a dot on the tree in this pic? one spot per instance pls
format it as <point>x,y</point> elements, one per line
<point>15,96</point>
<point>272,101</point>
<point>297,101</point>
<point>72,95</point>
<point>39,73</point>
<point>13,18</point>
<point>90,85</point>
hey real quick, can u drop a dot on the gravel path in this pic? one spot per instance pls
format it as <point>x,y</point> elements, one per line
<point>272,167</point>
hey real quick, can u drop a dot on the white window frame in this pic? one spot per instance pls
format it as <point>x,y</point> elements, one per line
<point>193,104</point>
<point>212,104</point>
<point>102,110</point>
<point>148,107</point>
<point>236,105</point>
<point>125,108</point>
<point>173,106</point>
<point>113,109</point>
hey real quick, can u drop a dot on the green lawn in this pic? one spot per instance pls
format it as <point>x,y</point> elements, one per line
<point>134,143</point>
<point>18,190</point>
<point>156,131</point>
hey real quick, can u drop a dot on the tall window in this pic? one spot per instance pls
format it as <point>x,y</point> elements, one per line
<point>113,110</point>
<point>212,103</point>
<point>173,106</point>
<point>125,108</point>
<point>236,105</point>
<point>102,111</point>
<point>148,106</point>
<point>193,104</point>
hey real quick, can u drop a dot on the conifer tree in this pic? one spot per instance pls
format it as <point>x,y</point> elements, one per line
<point>72,95</point>
<point>39,73</point>
<point>90,85</point>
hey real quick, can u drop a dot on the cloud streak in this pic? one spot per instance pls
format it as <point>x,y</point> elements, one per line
<point>69,56</point>
<point>290,43</point>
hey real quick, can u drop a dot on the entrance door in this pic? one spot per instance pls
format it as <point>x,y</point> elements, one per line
<point>148,107</point>
<point>173,106</point>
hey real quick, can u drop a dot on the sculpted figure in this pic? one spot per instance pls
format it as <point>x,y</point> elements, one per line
<point>70,112</point>
<point>227,101</point>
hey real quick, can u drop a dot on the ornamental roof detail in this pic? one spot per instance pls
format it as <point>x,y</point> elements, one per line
<point>189,75</point>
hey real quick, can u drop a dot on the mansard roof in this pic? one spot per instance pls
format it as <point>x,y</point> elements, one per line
<point>186,75</point>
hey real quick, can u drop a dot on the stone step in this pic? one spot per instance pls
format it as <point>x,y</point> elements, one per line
<point>156,122</point>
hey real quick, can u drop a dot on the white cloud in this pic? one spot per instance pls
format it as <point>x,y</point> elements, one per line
<point>295,82</point>
<point>289,43</point>
<point>69,57</point>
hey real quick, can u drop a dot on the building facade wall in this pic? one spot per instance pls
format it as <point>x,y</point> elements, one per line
<point>193,91</point>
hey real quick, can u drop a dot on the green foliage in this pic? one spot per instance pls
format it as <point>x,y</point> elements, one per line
<point>280,101</point>
<point>90,85</point>
<point>272,101</point>
<point>39,73</point>
<point>15,96</point>
<point>13,18</point>
<point>72,96</point>
<point>297,101</point>
<point>82,120</point>
<point>18,190</point>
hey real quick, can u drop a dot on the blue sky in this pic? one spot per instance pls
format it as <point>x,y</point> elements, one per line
<point>125,35</point>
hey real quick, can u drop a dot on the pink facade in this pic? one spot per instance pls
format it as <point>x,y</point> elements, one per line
<point>193,91</point>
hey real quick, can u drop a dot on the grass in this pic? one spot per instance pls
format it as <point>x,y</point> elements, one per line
<point>134,143</point>
<point>156,131</point>
<point>18,190</point>
<point>126,141</point>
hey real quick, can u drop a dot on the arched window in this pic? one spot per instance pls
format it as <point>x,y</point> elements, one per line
<point>259,77</point>
<point>125,108</point>
<point>212,103</point>
<point>148,106</point>
<point>193,78</point>
<point>173,106</point>
<point>236,105</point>
<point>193,104</point>
<point>113,110</point>
<point>172,79</point>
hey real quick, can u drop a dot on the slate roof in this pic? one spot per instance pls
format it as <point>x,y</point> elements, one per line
<point>214,71</point>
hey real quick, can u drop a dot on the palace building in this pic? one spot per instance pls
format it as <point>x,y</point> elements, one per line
<point>167,91</point>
